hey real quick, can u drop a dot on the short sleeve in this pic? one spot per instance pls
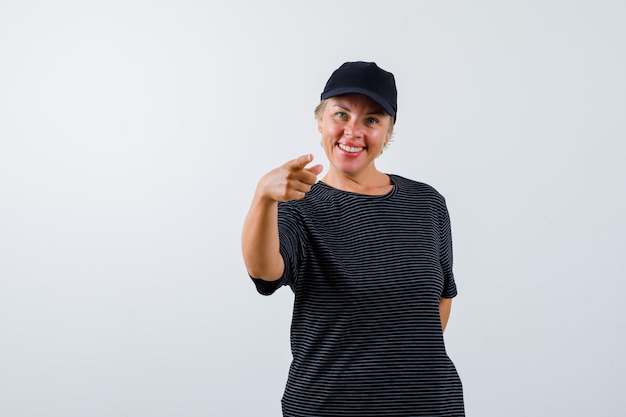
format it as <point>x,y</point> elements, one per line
<point>267,287</point>
<point>445,252</point>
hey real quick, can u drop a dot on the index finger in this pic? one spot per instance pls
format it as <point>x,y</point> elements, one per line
<point>300,162</point>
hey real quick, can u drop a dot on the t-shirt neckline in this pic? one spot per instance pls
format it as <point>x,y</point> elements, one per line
<point>366,196</point>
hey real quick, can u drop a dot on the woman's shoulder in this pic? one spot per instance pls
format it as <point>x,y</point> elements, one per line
<point>413,186</point>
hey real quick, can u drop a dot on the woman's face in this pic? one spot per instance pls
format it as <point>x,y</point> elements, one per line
<point>354,131</point>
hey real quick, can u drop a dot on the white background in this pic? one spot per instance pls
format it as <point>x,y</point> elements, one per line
<point>132,135</point>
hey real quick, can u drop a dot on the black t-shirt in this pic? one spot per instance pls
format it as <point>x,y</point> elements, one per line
<point>368,273</point>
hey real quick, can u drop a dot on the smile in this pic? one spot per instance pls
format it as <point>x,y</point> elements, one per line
<point>350,149</point>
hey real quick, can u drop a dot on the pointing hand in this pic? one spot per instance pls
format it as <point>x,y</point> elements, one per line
<point>291,181</point>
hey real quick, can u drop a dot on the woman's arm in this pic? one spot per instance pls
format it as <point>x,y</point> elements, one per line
<point>445,305</point>
<point>259,241</point>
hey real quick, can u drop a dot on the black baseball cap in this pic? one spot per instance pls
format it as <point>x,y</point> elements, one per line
<point>365,78</point>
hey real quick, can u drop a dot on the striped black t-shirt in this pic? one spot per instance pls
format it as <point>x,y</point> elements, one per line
<point>368,273</point>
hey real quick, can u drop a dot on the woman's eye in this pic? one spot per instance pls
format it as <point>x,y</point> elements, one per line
<point>372,121</point>
<point>341,114</point>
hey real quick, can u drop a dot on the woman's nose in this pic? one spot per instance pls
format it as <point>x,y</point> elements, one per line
<point>354,129</point>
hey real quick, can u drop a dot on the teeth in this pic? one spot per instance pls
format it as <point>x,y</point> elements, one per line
<point>349,148</point>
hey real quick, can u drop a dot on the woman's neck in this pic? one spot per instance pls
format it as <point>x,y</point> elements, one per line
<point>374,183</point>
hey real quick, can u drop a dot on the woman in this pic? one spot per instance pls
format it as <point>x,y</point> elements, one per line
<point>369,258</point>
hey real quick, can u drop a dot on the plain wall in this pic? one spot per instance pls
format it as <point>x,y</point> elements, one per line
<point>132,135</point>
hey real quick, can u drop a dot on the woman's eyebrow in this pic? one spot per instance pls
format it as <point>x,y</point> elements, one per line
<point>342,107</point>
<point>376,111</point>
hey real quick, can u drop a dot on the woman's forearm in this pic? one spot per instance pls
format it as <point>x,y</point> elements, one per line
<point>259,241</point>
